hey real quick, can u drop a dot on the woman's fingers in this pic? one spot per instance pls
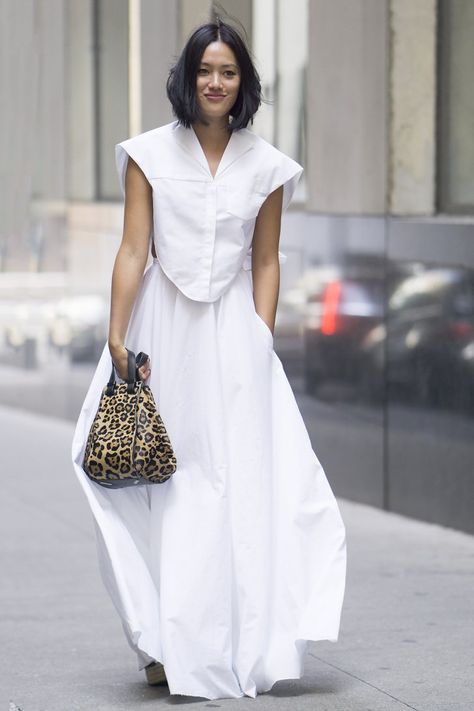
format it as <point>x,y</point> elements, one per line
<point>121,365</point>
<point>145,370</point>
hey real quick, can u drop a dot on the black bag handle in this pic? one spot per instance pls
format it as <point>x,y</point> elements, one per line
<point>132,372</point>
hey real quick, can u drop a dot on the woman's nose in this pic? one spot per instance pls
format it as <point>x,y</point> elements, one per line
<point>215,79</point>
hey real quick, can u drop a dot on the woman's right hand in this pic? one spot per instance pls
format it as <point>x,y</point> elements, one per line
<point>119,357</point>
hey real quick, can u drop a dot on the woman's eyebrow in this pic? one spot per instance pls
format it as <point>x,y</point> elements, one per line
<point>222,65</point>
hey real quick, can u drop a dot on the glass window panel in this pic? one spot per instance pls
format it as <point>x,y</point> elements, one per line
<point>280,47</point>
<point>112,90</point>
<point>456,106</point>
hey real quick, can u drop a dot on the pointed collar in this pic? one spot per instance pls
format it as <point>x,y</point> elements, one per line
<point>240,142</point>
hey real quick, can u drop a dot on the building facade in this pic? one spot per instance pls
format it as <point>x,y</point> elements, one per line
<point>375,324</point>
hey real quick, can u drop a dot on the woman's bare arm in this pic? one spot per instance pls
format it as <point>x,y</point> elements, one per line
<point>265,263</point>
<point>130,263</point>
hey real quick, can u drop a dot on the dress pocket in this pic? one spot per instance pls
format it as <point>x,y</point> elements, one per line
<point>243,202</point>
<point>263,326</point>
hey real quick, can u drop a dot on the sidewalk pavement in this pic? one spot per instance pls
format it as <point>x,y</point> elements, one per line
<point>406,638</point>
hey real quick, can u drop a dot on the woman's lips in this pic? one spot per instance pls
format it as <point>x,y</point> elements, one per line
<point>214,97</point>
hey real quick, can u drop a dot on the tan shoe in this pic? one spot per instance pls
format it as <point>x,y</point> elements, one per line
<point>155,674</point>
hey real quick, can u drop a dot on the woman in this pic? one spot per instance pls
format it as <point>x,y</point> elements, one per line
<point>225,571</point>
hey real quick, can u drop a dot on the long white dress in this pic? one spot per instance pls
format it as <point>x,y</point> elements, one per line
<point>225,571</point>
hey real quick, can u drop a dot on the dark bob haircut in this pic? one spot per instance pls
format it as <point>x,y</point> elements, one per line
<point>181,82</point>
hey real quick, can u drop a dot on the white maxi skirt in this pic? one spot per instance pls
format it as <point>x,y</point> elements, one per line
<point>225,571</point>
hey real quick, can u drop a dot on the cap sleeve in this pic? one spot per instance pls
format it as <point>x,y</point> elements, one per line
<point>134,148</point>
<point>279,170</point>
<point>284,171</point>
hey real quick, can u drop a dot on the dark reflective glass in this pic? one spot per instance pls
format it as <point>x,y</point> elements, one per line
<point>383,361</point>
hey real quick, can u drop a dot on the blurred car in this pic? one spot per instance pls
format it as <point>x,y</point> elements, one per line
<point>78,326</point>
<point>421,346</point>
<point>430,342</point>
<point>340,314</point>
<point>22,325</point>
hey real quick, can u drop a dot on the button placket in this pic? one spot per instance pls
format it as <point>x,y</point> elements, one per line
<point>209,233</point>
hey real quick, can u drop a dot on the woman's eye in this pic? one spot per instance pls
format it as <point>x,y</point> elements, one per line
<point>229,73</point>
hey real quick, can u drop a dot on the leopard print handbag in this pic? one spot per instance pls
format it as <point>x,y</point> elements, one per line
<point>128,444</point>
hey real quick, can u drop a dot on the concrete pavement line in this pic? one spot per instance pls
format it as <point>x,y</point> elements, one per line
<point>367,683</point>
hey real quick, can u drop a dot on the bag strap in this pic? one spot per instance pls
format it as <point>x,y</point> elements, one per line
<point>131,379</point>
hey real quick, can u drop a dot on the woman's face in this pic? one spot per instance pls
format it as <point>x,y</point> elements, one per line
<point>218,80</point>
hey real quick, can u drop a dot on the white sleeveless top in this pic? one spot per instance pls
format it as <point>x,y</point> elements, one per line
<point>202,225</point>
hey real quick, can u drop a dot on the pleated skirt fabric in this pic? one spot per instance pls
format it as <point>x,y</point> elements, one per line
<point>226,571</point>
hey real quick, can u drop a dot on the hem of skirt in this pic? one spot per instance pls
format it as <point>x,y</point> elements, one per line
<point>280,676</point>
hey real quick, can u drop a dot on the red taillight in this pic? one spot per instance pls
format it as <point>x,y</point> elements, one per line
<point>461,329</point>
<point>331,299</point>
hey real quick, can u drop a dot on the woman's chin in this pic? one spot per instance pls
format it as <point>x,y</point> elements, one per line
<point>213,115</point>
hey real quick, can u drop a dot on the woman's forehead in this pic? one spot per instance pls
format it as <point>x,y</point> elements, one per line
<point>220,52</point>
